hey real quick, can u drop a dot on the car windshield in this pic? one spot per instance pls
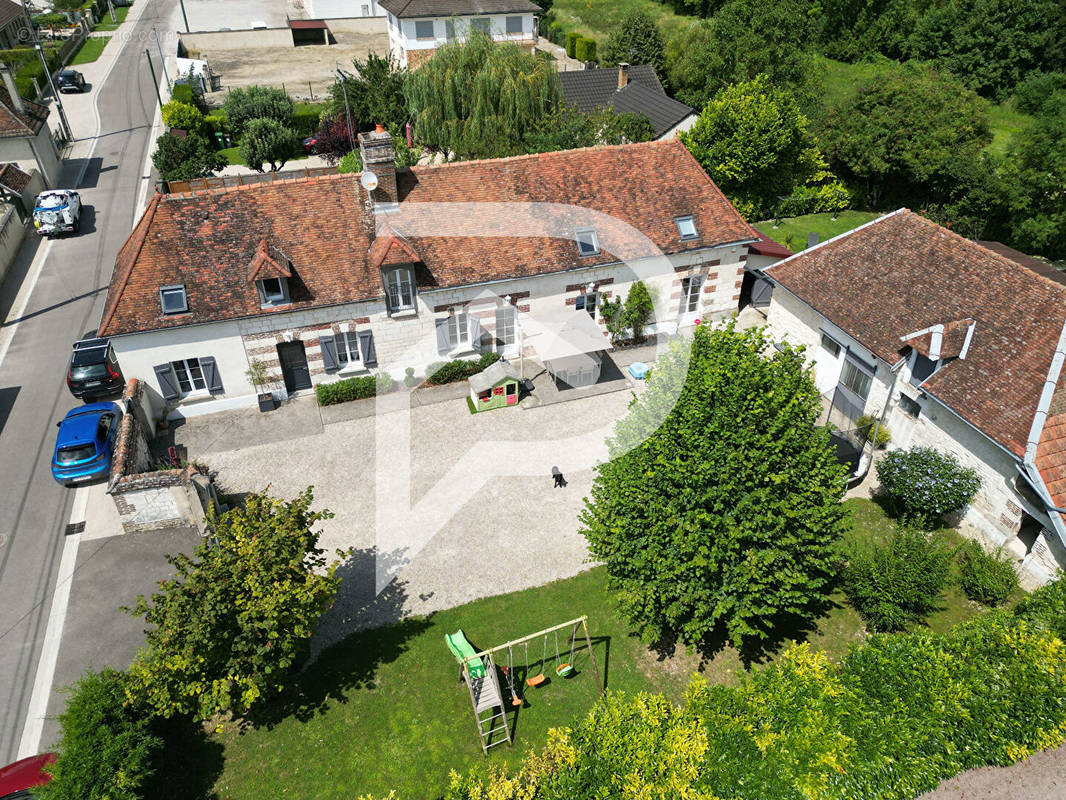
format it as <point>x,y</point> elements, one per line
<point>88,372</point>
<point>71,455</point>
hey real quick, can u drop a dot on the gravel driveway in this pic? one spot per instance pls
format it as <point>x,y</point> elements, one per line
<point>1042,776</point>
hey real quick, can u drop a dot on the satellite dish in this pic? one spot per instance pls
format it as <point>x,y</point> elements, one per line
<point>369,181</point>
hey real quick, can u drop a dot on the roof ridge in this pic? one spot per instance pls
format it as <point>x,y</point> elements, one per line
<point>127,269</point>
<point>549,154</point>
<point>213,190</point>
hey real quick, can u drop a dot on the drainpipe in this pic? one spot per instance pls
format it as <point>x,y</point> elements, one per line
<point>877,425</point>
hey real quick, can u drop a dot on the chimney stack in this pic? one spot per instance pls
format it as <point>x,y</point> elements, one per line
<point>379,157</point>
<point>623,75</point>
<point>12,89</point>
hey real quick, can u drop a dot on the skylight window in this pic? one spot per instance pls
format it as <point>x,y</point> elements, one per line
<point>686,226</point>
<point>173,299</point>
<point>587,242</point>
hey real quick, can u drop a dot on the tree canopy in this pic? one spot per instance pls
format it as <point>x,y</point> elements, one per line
<point>568,128</point>
<point>375,93</point>
<point>636,40</point>
<point>256,102</point>
<point>724,519</point>
<point>184,158</point>
<point>479,98</point>
<point>230,627</point>
<point>267,141</point>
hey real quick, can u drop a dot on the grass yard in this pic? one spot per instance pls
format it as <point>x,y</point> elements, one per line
<point>90,50</point>
<point>106,24</point>
<point>793,231</point>
<point>383,710</point>
<point>233,155</point>
<point>597,18</point>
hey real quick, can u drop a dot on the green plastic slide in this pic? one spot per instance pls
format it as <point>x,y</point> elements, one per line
<point>461,649</point>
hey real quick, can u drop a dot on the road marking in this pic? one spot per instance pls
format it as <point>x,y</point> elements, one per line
<point>46,667</point>
<point>22,299</point>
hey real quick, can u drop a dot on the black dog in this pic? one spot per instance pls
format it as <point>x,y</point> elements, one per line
<point>558,476</point>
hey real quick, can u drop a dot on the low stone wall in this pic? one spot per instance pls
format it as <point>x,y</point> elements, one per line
<point>169,498</point>
<point>12,232</point>
<point>250,39</point>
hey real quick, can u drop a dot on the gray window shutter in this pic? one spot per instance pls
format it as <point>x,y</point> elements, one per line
<point>211,376</point>
<point>168,381</point>
<point>476,332</point>
<point>366,349</point>
<point>444,346</point>
<point>329,353</point>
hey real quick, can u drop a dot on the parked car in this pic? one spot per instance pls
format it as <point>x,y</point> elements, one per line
<point>311,144</point>
<point>17,779</point>
<point>94,370</point>
<point>70,80</point>
<point>85,442</point>
<point>57,211</point>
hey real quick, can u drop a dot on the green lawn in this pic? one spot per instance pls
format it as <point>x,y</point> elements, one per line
<point>792,232</point>
<point>106,24</point>
<point>597,18</point>
<point>383,710</point>
<point>233,155</point>
<point>90,50</point>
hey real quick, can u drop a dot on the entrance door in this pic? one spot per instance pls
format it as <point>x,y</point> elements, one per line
<point>294,366</point>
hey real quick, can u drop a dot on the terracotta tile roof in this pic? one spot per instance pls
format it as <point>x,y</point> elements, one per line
<point>20,123</point>
<point>901,274</point>
<point>206,240</point>
<point>766,246</point>
<point>389,249</point>
<point>1051,451</point>
<point>13,179</point>
<point>265,265</point>
<point>10,11</point>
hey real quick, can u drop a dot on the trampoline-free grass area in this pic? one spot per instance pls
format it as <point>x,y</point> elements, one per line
<point>383,710</point>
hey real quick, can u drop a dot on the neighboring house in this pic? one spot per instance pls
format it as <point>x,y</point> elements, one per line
<point>956,346</point>
<point>633,89</point>
<point>340,9</point>
<point>16,30</point>
<point>24,134</point>
<point>418,27</point>
<point>319,281</point>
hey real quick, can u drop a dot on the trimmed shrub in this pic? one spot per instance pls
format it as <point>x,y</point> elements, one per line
<point>923,485</point>
<point>898,583</point>
<point>305,121</point>
<point>571,43</point>
<point>217,123</point>
<point>585,49</point>
<point>242,105</point>
<point>177,114</point>
<point>986,578</point>
<point>458,370</point>
<point>865,426</point>
<point>187,93</point>
<point>556,33</point>
<point>1045,609</point>
<point>343,391</point>
<point>106,747</point>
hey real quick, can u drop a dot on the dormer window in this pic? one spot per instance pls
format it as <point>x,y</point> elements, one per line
<point>686,227</point>
<point>173,299</point>
<point>400,289</point>
<point>273,292</point>
<point>587,242</point>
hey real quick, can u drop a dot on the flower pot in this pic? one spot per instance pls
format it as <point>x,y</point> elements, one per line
<point>266,401</point>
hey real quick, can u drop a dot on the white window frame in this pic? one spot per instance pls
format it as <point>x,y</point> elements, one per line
<point>511,326</point>
<point>582,304</point>
<point>185,365</point>
<point>268,300</point>
<point>690,296</point>
<point>349,356</point>
<point>432,29</point>
<point>458,328</point>
<point>163,290</point>
<point>396,280</point>
<point>507,25</point>
<point>680,221</point>
<point>591,240</point>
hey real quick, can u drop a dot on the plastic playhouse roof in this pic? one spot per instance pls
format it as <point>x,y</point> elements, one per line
<point>492,375</point>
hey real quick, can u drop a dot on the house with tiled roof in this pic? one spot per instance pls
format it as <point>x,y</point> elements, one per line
<point>25,138</point>
<point>952,344</point>
<point>321,278</point>
<point>16,30</point>
<point>627,89</point>
<point>418,27</point>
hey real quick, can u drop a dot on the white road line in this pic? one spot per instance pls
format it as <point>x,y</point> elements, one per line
<point>46,667</point>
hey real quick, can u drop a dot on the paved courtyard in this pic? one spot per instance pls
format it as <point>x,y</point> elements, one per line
<point>482,516</point>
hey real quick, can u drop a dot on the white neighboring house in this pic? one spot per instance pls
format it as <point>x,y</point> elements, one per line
<point>343,9</point>
<point>953,344</point>
<point>418,27</point>
<point>319,281</point>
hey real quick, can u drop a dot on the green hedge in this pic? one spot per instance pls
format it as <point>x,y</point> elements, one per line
<point>585,49</point>
<point>458,370</point>
<point>571,43</point>
<point>897,716</point>
<point>342,391</point>
<point>986,578</point>
<point>556,33</point>
<point>305,121</point>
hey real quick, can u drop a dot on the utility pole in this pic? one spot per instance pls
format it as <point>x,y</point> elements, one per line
<point>59,103</point>
<point>347,108</point>
<point>182,4</point>
<point>111,8</point>
<point>155,81</point>
<point>162,60</point>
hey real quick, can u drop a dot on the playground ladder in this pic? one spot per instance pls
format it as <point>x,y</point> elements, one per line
<point>485,696</point>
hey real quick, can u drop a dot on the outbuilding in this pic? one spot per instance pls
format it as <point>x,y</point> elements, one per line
<point>495,386</point>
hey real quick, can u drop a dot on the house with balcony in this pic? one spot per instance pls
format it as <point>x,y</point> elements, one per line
<point>418,27</point>
<point>321,278</point>
<point>952,344</point>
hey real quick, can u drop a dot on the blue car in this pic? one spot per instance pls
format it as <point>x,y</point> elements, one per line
<point>84,444</point>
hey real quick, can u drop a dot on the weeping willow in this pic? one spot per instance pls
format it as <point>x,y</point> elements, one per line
<point>479,98</point>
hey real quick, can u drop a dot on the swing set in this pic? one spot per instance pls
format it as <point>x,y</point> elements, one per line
<point>478,670</point>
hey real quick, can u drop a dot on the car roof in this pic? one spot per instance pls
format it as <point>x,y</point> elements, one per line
<point>79,425</point>
<point>25,773</point>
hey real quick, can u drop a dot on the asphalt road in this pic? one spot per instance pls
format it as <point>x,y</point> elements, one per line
<point>66,302</point>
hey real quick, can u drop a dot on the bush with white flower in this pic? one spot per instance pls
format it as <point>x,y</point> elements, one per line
<point>923,484</point>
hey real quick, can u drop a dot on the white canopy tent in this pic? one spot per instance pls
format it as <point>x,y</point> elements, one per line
<point>570,344</point>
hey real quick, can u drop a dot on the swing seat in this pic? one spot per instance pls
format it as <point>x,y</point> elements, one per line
<point>536,680</point>
<point>563,670</point>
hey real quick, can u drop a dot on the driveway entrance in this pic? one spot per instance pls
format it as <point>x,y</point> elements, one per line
<point>294,366</point>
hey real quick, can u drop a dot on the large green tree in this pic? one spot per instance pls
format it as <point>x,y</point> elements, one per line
<point>568,128</point>
<point>256,102</point>
<point>853,30</point>
<point>722,517</point>
<point>754,143</point>
<point>186,157</point>
<point>637,40</point>
<point>375,94</point>
<point>230,628</point>
<point>898,134</point>
<point>267,141</point>
<point>479,98</point>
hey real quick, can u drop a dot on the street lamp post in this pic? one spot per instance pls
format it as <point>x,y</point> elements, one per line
<point>162,60</point>
<point>155,81</point>
<point>59,103</point>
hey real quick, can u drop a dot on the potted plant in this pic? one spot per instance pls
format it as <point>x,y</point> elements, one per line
<point>257,376</point>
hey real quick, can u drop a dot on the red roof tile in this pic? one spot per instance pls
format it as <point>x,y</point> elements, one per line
<point>205,240</point>
<point>263,265</point>
<point>14,124</point>
<point>903,273</point>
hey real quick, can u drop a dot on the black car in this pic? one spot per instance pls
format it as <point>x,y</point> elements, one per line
<point>70,80</point>
<point>94,370</point>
